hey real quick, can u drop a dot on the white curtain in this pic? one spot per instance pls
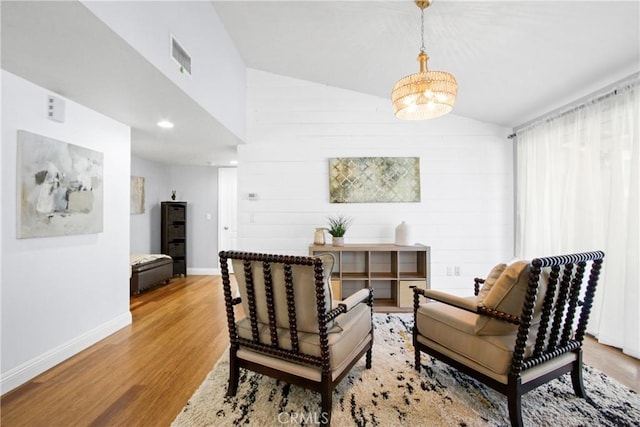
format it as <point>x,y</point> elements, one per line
<point>578,190</point>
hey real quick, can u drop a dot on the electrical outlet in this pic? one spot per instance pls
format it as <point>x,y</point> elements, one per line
<point>449,271</point>
<point>456,270</point>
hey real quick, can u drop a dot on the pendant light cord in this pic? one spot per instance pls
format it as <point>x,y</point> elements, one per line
<point>422,49</point>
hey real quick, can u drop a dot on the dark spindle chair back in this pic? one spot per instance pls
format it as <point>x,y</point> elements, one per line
<point>527,329</point>
<point>290,318</point>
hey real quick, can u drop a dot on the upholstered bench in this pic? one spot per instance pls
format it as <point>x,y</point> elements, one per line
<point>148,270</point>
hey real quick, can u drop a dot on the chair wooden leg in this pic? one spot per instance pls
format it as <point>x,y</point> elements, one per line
<point>327,403</point>
<point>514,402</point>
<point>416,364</point>
<point>234,373</point>
<point>515,411</point>
<point>368,357</point>
<point>576,377</point>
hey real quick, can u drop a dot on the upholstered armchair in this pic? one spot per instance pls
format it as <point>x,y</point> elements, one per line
<point>523,328</point>
<point>293,330</point>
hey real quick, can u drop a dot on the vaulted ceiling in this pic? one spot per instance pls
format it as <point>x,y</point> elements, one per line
<point>513,60</point>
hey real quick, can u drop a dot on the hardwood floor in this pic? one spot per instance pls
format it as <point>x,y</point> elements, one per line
<point>613,362</point>
<point>144,374</point>
<point>140,376</point>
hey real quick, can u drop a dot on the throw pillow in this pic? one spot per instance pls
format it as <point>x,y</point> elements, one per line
<point>490,281</point>
<point>506,295</point>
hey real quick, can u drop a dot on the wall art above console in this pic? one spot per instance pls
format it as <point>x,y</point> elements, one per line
<point>374,179</point>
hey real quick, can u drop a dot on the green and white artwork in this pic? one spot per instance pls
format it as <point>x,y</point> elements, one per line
<point>60,187</point>
<point>374,179</point>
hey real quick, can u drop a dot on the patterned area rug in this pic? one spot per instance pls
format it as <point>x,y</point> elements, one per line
<point>392,393</point>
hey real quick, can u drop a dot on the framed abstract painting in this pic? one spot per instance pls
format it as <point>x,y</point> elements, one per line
<point>60,188</point>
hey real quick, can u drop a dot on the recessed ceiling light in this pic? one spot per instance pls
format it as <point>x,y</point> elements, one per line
<point>165,124</point>
<point>233,162</point>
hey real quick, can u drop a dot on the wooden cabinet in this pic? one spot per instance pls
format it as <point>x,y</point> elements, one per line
<point>405,291</point>
<point>174,234</point>
<point>391,270</point>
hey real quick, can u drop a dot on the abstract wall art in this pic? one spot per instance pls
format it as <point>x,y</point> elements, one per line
<point>60,188</point>
<point>137,194</point>
<point>374,179</point>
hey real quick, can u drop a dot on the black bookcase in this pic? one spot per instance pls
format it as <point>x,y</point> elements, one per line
<point>174,234</point>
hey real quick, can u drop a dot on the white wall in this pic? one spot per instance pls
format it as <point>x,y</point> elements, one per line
<point>294,127</point>
<point>145,227</point>
<point>2,232</point>
<point>198,186</point>
<point>218,82</point>
<point>61,294</point>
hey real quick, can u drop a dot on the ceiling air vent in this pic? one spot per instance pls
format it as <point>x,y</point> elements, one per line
<point>182,58</point>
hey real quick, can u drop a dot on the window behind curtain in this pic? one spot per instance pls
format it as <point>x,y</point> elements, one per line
<point>577,189</point>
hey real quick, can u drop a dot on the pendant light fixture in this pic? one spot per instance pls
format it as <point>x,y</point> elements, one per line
<point>426,94</point>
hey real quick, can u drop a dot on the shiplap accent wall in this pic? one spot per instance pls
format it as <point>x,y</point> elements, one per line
<point>295,126</point>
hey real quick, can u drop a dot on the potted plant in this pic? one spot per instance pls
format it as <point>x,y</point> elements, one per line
<point>337,227</point>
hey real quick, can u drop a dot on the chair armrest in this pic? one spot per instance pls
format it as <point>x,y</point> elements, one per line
<point>355,299</point>
<point>468,305</point>
<point>477,281</point>
<point>500,315</point>
<point>456,301</point>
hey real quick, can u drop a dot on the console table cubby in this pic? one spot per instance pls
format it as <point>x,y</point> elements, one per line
<point>391,270</point>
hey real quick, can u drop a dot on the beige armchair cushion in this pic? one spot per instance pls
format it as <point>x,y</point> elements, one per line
<point>304,292</point>
<point>454,329</point>
<point>491,279</point>
<point>507,295</point>
<point>348,332</point>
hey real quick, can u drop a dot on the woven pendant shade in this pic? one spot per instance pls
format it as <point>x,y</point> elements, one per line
<point>426,94</point>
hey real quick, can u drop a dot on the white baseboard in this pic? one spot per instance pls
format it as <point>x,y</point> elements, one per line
<point>203,271</point>
<point>34,367</point>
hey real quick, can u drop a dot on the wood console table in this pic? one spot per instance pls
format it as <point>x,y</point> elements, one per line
<point>390,269</point>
